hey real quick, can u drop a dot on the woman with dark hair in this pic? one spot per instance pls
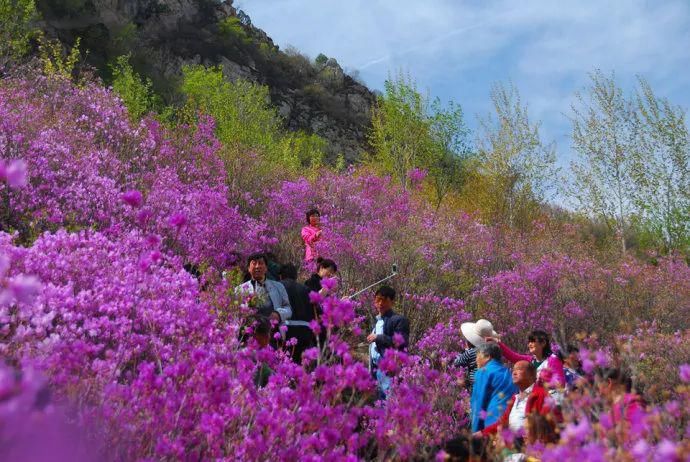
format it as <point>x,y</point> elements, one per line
<point>549,365</point>
<point>325,268</point>
<point>311,234</point>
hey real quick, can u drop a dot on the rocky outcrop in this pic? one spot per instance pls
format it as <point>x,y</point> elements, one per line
<point>164,35</point>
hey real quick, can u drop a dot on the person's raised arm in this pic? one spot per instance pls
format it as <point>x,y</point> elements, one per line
<point>511,355</point>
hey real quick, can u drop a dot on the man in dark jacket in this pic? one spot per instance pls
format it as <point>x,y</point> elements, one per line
<point>302,312</point>
<point>390,331</point>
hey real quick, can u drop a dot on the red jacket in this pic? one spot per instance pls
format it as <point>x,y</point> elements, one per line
<point>536,402</point>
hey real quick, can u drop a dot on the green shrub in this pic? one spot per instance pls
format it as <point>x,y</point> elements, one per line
<point>17,28</point>
<point>135,92</point>
<point>231,28</point>
<point>242,109</point>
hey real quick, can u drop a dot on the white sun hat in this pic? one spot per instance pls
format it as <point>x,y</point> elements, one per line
<point>475,332</point>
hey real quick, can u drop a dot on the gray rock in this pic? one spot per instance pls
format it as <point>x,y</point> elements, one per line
<point>172,33</point>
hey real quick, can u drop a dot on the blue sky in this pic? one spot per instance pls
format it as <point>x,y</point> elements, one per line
<point>456,49</point>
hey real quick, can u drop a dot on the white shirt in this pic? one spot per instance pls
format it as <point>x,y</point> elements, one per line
<point>374,354</point>
<point>516,419</point>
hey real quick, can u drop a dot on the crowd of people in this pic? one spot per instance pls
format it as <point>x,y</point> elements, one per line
<point>525,398</point>
<point>279,299</point>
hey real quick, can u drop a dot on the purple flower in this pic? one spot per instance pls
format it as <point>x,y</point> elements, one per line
<point>153,240</point>
<point>144,216</point>
<point>177,219</point>
<point>587,365</point>
<point>416,175</point>
<point>442,456</point>
<point>24,288</point>
<point>601,359</point>
<point>14,173</point>
<point>684,372</point>
<point>330,284</point>
<point>133,198</point>
<point>640,450</point>
<point>667,450</point>
<point>144,263</point>
<point>315,297</point>
<point>398,340</point>
<point>606,421</point>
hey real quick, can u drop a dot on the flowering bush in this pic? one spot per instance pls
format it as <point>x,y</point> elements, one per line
<point>88,166</point>
<point>100,216</point>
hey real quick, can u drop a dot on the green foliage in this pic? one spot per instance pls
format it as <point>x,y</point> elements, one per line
<point>340,163</point>
<point>57,62</point>
<point>244,116</point>
<point>633,170</point>
<point>603,137</point>
<point>231,28</point>
<point>400,129</point>
<point>125,36</point>
<point>302,150</point>
<point>518,168</point>
<point>298,63</point>
<point>17,28</point>
<point>660,170</point>
<point>321,59</point>
<point>136,93</point>
<point>408,132</point>
<point>242,109</point>
<point>447,169</point>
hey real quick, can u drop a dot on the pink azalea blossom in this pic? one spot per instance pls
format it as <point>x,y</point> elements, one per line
<point>133,198</point>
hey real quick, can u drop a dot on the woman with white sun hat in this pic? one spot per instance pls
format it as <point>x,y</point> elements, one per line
<point>474,333</point>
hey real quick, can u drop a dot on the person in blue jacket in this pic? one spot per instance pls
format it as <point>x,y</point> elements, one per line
<point>493,387</point>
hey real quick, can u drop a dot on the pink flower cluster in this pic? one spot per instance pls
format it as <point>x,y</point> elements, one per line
<point>149,363</point>
<point>90,167</point>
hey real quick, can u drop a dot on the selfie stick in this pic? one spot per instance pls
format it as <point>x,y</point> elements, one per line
<point>393,274</point>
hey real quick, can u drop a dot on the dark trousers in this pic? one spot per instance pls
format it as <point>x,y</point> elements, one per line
<point>305,339</point>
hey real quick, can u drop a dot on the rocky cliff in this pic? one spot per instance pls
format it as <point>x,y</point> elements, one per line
<point>163,35</point>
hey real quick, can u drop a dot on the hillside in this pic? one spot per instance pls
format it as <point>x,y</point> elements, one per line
<point>162,36</point>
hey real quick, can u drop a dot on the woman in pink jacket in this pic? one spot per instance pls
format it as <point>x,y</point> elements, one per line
<point>311,234</point>
<point>549,366</point>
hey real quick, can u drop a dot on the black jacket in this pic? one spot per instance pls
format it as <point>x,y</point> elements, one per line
<point>393,323</point>
<point>314,282</point>
<point>299,300</point>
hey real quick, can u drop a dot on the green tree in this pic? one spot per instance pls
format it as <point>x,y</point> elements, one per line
<point>58,62</point>
<point>245,116</point>
<point>302,150</point>
<point>604,139</point>
<point>321,60</point>
<point>400,129</point>
<point>17,28</point>
<point>136,93</point>
<point>242,109</point>
<point>518,168</point>
<point>661,170</point>
<point>408,132</point>
<point>232,29</point>
<point>451,149</point>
